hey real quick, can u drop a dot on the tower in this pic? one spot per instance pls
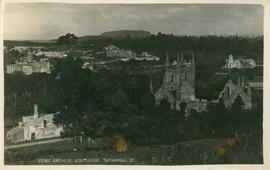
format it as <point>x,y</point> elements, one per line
<point>167,64</point>
<point>178,85</point>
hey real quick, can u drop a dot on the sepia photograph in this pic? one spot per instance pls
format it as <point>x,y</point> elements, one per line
<point>133,84</point>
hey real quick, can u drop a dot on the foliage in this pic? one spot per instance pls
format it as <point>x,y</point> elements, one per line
<point>68,39</point>
<point>109,103</point>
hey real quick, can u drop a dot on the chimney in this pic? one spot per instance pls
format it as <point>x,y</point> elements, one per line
<point>35,111</point>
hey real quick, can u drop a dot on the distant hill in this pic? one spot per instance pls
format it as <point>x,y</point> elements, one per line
<point>29,43</point>
<point>121,34</point>
<point>125,33</point>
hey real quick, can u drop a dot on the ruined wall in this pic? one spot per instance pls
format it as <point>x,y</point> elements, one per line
<point>231,91</point>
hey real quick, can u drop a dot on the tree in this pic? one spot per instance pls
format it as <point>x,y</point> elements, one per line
<point>68,39</point>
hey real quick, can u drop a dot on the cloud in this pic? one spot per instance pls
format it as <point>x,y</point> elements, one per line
<point>49,20</point>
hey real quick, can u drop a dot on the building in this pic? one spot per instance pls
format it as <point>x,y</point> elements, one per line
<point>240,90</point>
<point>25,48</point>
<point>146,56</point>
<point>51,54</point>
<point>239,63</point>
<point>178,86</point>
<point>28,66</point>
<point>35,127</point>
<point>113,51</point>
<point>12,68</point>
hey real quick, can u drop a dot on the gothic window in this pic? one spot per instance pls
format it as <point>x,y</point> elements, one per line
<point>186,77</point>
<point>45,123</point>
<point>238,104</point>
<point>227,91</point>
<point>172,77</point>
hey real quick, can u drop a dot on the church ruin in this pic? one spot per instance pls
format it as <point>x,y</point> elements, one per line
<point>240,90</point>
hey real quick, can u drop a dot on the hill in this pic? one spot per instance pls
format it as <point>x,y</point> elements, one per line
<point>121,34</point>
<point>124,33</point>
<point>29,43</point>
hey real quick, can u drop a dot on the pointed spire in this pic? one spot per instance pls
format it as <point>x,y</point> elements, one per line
<point>193,58</point>
<point>249,91</point>
<point>167,63</point>
<point>181,58</point>
<point>151,86</point>
<point>178,60</point>
<point>243,82</point>
<point>238,81</point>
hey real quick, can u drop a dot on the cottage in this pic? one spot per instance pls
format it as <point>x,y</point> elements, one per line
<point>239,63</point>
<point>34,127</point>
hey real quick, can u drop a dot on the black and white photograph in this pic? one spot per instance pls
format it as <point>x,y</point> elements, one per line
<point>133,83</point>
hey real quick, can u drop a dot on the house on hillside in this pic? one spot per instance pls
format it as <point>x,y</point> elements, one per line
<point>239,63</point>
<point>37,126</point>
<point>113,51</point>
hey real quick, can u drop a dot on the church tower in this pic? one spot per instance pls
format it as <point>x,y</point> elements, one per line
<point>178,85</point>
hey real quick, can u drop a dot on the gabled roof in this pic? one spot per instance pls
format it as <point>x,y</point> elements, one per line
<point>15,130</point>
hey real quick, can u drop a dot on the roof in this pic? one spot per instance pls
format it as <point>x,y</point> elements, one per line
<point>257,79</point>
<point>15,130</point>
<point>48,116</point>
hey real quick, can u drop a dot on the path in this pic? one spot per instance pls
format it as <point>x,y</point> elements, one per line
<point>36,143</point>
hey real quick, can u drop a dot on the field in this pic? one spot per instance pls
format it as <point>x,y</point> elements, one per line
<point>205,151</point>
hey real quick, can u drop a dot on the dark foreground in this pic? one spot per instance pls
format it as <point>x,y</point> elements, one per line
<point>205,151</point>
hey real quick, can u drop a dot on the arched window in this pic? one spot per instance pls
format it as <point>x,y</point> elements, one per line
<point>186,77</point>
<point>238,104</point>
<point>172,77</point>
<point>45,123</point>
<point>227,91</point>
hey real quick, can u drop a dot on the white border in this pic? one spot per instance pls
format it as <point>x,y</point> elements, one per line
<point>266,125</point>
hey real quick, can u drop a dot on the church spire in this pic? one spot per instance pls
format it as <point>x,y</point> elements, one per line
<point>167,63</point>
<point>181,60</point>
<point>178,60</point>
<point>193,59</point>
<point>151,86</point>
<point>242,82</point>
<point>238,81</point>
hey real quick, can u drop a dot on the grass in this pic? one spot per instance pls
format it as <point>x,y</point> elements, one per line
<point>190,152</point>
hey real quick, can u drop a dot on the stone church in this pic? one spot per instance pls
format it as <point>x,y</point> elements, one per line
<point>240,90</point>
<point>178,84</point>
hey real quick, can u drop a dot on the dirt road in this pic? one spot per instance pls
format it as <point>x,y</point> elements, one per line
<point>37,143</point>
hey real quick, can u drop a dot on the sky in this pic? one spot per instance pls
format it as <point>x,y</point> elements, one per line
<point>44,21</point>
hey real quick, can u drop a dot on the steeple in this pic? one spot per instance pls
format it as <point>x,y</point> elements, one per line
<point>238,81</point>
<point>167,63</point>
<point>193,59</point>
<point>181,58</point>
<point>151,86</point>
<point>249,91</point>
<point>242,82</point>
<point>178,60</point>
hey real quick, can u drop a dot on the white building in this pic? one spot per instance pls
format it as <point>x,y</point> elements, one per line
<point>113,51</point>
<point>29,67</point>
<point>239,63</point>
<point>51,54</point>
<point>35,127</point>
<point>24,48</point>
